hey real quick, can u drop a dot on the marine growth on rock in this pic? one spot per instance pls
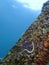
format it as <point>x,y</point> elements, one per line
<point>33,47</point>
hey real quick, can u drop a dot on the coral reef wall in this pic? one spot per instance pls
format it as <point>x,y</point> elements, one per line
<point>33,47</point>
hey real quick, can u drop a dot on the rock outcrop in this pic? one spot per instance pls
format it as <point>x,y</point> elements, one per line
<point>33,47</point>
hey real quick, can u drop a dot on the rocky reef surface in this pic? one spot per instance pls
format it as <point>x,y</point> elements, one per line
<point>33,47</point>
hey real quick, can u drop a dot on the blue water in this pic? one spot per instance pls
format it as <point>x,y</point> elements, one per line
<point>13,23</point>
